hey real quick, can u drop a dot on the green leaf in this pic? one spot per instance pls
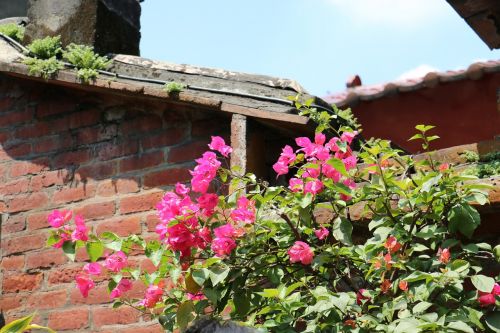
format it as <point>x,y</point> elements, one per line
<point>460,265</point>
<point>53,239</point>
<point>269,293</point>
<point>69,249</point>
<point>94,250</point>
<point>185,314</point>
<point>200,276</point>
<point>427,185</point>
<point>408,325</point>
<point>17,326</point>
<point>463,218</point>
<point>338,165</point>
<point>342,230</point>
<point>493,321</point>
<point>483,283</point>
<point>218,274</point>
<point>460,326</point>
<point>496,252</point>
<point>241,302</point>
<point>116,241</point>
<point>421,307</point>
<point>416,136</point>
<point>432,138</point>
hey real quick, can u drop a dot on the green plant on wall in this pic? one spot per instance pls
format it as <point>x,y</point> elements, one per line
<point>86,61</point>
<point>44,61</point>
<point>13,31</point>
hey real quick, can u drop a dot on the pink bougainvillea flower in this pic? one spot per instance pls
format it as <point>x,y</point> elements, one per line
<point>487,299</point>
<point>403,285</point>
<point>296,184</point>
<point>204,172</point>
<point>350,184</point>
<point>84,283</point>
<point>203,237</point>
<point>245,210</point>
<point>360,296</point>
<point>350,162</point>
<point>301,252</point>
<point>195,297</point>
<point>207,202</point>
<point>116,262</point>
<point>181,189</point>
<point>332,144</point>
<point>348,136</point>
<point>58,218</point>
<point>444,255</point>
<point>223,246</point>
<point>81,231</point>
<point>313,186</point>
<point>392,245</point>
<point>152,296</point>
<point>384,260</point>
<point>123,286</point>
<point>311,172</point>
<point>287,155</point>
<point>219,145</point>
<point>385,286</point>
<point>281,168</point>
<point>226,230</point>
<point>180,238</point>
<point>92,268</point>
<point>331,172</point>
<point>313,150</point>
<point>64,237</point>
<point>321,233</point>
<point>443,167</point>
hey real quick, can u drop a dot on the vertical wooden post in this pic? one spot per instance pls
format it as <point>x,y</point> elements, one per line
<point>239,145</point>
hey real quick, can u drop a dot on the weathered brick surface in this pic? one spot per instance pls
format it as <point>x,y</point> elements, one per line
<point>63,149</point>
<point>73,319</point>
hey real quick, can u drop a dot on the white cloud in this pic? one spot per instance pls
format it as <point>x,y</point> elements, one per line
<point>417,72</point>
<point>392,13</point>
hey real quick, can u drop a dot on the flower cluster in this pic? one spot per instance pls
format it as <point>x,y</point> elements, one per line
<point>318,155</point>
<point>59,219</point>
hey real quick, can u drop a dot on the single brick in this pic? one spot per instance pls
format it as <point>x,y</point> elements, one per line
<point>95,134</point>
<point>111,187</point>
<point>168,137</point>
<point>18,150</point>
<point>140,203</point>
<point>28,167</point>
<point>187,152</point>
<point>14,187</point>
<point>38,221</point>
<point>144,123</point>
<point>69,320</point>
<point>53,107</point>
<point>21,282</point>
<point>14,223</point>
<point>98,295</point>
<point>45,259</point>
<point>66,195</point>
<point>72,158</point>
<point>109,316</point>
<point>84,118</point>
<point>122,226</point>
<point>166,177</point>
<point>12,263</point>
<point>97,170</point>
<point>22,244</point>
<point>151,222</point>
<point>10,302</point>
<point>143,161</point>
<point>47,300</point>
<point>27,202</point>
<point>52,143</point>
<point>49,178</point>
<point>96,210</point>
<point>108,151</point>
<point>16,117</point>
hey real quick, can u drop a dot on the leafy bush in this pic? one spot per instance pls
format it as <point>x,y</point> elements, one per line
<point>86,61</point>
<point>46,68</point>
<point>262,256</point>
<point>13,31</point>
<point>46,48</point>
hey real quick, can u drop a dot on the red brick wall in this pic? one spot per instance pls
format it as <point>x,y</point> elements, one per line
<point>109,159</point>
<point>464,112</point>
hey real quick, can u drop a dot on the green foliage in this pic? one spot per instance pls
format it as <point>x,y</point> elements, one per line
<point>488,165</point>
<point>23,325</point>
<point>86,61</point>
<point>46,48</point>
<point>174,87</point>
<point>46,68</point>
<point>13,31</point>
<point>470,156</point>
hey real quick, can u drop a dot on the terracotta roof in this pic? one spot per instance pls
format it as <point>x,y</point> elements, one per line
<point>351,96</point>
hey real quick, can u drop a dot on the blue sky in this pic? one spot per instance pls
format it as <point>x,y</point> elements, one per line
<point>319,43</point>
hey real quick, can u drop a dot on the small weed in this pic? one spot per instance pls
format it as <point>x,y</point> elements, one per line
<point>46,48</point>
<point>174,87</point>
<point>13,31</point>
<point>86,61</point>
<point>46,68</point>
